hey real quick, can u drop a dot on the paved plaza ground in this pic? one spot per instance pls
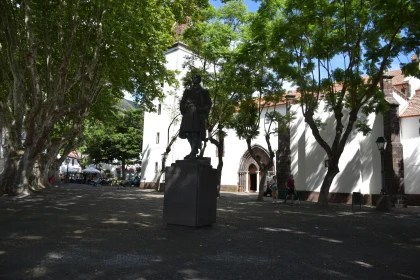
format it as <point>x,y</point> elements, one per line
<point>85,232</point>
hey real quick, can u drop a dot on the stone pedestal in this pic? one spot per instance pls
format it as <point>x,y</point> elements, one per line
<point>190,193</point>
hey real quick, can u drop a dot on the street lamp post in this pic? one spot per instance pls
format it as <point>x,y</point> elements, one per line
<point>67,175</point>
<point>381,143</point>
<point>164,157</point>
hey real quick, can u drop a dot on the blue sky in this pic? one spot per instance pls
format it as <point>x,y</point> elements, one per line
<point>252,6</point>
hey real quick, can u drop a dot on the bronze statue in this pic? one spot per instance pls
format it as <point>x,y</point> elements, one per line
<point>195,108</point>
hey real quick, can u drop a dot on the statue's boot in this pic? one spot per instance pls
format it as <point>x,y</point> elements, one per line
<point>193,139</point>
<point>190,156</point>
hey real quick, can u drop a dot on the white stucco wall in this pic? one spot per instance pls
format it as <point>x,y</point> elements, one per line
<point>73,167</point>
<point>403,103</point>
<point>154,123</point>
<point>359,163</point>
<point>410,138</point>
<point>414,85</point>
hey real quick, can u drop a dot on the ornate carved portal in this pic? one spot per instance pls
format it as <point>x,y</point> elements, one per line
<point>249,174</point>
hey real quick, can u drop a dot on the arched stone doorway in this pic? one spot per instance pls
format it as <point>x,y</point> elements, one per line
<point>252,178</point>
<point>249,174</point>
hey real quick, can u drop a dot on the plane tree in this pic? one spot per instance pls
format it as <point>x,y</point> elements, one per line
<point>57,57</point>
<point>259,88</point>
<point>117,139</point>
<point>212,41</point>
<point>339,51</point>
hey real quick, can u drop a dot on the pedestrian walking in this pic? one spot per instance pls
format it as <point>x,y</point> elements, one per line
<point>290,184</point>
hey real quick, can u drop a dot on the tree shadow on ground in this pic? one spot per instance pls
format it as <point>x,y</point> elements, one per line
<point>103,235</point>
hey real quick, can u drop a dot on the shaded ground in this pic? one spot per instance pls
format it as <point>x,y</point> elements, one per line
<point>85,232</point>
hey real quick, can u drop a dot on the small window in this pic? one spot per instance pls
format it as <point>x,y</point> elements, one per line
<point>159,111</point>
<point>157,137</point>
<point>156,167</point>
<point>161,84</point>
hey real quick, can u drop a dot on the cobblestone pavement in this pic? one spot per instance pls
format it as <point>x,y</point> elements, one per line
<point>84,232</point>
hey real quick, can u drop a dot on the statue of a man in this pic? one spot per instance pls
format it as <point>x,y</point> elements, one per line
<point>195,108</point>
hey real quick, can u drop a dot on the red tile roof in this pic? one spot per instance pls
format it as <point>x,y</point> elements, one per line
<point>74,154</point>
<point>398,77</point>
<point>413,108</point>
<point>283,100</point>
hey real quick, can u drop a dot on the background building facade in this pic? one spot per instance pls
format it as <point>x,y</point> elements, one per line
<point>360,163</point>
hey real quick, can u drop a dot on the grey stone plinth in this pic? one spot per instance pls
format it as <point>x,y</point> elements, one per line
<point>190,193</point>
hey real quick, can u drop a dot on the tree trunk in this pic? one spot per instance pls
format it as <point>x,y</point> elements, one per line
<point>42,172</point>
<point>7,178</point>
<point>202,149</point>
<point>18,176</point>
<point>326,184</point>
<point>219,169</point>
<point>123,169</point>
<point>262,185</point>
<point>220,145</point>
<point>167,151</point>
<point>162,170</point>
<point>49,165</point>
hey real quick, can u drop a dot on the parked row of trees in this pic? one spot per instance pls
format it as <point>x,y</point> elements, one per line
<point>326,48</point>
<point>58,59</point>
<point>118,138</point>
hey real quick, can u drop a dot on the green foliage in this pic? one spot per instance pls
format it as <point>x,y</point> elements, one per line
<point>212,41</point>
<point>364,35</point>
<point>336,52</point>
<point>412,69</point>
<point>279,123</point>
<point>119,139</point>
<point>59,59</point>
<point>247,120</point>
<point>363,127</point>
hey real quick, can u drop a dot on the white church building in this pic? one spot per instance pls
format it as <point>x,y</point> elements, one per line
<point>360,163</point>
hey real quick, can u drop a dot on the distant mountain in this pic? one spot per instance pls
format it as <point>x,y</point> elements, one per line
<point>128,105</point>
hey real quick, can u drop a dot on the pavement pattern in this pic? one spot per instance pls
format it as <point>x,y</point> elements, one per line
<point>84,232</point>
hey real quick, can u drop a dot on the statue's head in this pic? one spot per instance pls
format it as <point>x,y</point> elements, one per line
<point>196,78</point>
